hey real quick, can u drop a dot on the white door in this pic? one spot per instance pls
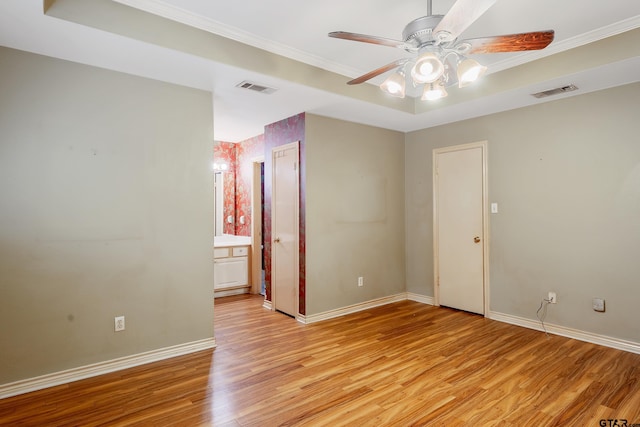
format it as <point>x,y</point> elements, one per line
<point>459,226</point>
<point>285,228</point>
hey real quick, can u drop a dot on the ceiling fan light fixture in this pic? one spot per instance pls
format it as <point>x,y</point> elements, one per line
<point>427,69</point>
<point>433,91</point>
<point>469,71</point>
<point>439,53</point>
<point>394,85</point>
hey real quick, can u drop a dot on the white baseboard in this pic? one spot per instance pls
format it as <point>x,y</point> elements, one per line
<point>420,298</point>
<point>619,344</point>
<point>75,374</point>
<point>95,369</point>
<point>352,308</point>
<point>230,292</point>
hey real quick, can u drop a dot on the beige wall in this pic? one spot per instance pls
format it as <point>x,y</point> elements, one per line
<point>355,213</point>
<point>566,175</point>
<point>105,209</point>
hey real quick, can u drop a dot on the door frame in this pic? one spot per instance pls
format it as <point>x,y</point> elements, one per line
<point>296,261</point>
<point>485,220</point>
<point>256,226</point>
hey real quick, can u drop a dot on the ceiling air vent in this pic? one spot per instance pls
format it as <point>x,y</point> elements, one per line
<point>256,87</point>
<point>556,91</point>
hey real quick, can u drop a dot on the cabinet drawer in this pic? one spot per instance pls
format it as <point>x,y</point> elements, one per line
<point>221,252</point>
<point>241,251</point>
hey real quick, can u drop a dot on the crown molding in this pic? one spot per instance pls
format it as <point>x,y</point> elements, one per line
<point>204,23</point>
<point>165,10</point>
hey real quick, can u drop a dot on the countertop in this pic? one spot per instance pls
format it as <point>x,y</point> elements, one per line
<point>227,240</point>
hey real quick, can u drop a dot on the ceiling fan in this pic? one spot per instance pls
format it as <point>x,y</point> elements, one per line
<point>441,59</point>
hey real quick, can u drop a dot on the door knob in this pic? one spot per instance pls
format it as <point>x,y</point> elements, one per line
<point>276,240</point>
<point>476,239</point>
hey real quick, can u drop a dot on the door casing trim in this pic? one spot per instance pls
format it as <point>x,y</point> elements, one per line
<point>483,145</point>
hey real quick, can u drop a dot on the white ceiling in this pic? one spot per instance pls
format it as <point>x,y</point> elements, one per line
<point>298,30</point>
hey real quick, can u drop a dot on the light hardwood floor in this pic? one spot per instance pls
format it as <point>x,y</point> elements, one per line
<point>402,364</point>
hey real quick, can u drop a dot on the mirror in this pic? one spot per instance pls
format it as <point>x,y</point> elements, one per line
<point>218,197</point>
<point>225,201</point>
<point>224,159</point>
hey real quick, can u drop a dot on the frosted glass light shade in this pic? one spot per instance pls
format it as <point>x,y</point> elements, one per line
<point>433,91</point>
<point>469,71</point>
<point>427,69</point>
<point>394,85</point>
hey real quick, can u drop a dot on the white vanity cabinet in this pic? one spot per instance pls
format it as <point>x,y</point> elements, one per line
<point>231,270</point>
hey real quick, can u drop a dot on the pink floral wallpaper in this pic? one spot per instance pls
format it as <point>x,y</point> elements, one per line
<point>246,152</point>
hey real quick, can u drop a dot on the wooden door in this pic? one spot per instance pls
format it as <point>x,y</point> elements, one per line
<point>460,226</point>
<point>285,227</point>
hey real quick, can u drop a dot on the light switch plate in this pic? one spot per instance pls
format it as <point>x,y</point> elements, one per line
<point>494,207</point>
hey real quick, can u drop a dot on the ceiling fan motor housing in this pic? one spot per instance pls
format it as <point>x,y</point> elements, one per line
<point>419,32</point>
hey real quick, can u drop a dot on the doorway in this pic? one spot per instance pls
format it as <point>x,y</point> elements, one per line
<point>460,227</point>
<point>257,226</point>
<point>285,228</point>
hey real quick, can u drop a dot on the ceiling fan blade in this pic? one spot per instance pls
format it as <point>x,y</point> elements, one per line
<point>511,43</point>
<point>371,39</point>
<point>462,14</point>
<point>371,74</point>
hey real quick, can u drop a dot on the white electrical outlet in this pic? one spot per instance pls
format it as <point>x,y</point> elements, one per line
<point>119,323</point>
<point>360,281</point>
<point>552,298</point>
<point>598,304</point>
